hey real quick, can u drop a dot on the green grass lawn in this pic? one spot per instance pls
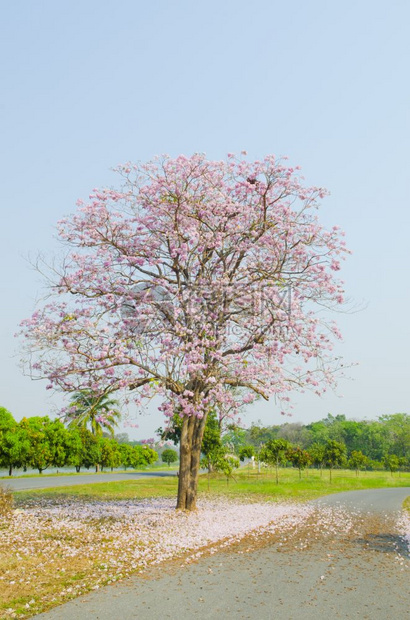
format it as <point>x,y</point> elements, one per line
<point>128,489</point>
<point>246,484</point>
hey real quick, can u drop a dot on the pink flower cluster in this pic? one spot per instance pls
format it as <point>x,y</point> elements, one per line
<point>197,281</point>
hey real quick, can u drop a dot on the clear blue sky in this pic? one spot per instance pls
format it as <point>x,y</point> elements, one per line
<point>87,85</point>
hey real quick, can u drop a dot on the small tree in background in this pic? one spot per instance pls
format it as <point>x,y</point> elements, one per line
<point>274,453</point>
<point>137,456</point>
<point>110,455</point>
<point>90,452</point>
<point>50,442</point>
<point>317,454</point>
<point>299,459</point>
<point>391,462</point>
<point>14,443</point>
<point>216,457</point>
<point>404,463</point>
<point>246,452</point>
<point>169,456</point>
<point>357,461</point>
<point>149,455</point>
<point>220,461</point>
<point>334,456</point>
<point>234,437</point>
<point>127,455</point>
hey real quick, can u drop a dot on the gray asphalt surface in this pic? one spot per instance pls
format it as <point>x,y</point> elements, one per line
<point>364,575</point>
<point>381,501</point>
<point>44,482</point>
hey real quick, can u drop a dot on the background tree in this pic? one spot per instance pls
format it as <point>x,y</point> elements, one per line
<point>398,431</point>
<point>352,435</point>
<point>317,454</point>
<point>274,453</point>
<point>334,455</point>
<point>294,433</point>
<point>90,452</point>
<point>247,452</point>
<point>219,460</point>
<point>319,432</point>
<point>234,437</point>
<point>110,455</point>
<point>358,461</point>
<point>404,462</point>
<point>6,419</point>
<point>172,432</point>
<point>391,462</point>
<point>137,456</point>
<point>258,434</point>
<point>212,441</point>
<point>127,455</point>
<point>148,455</point>
<point>375,440</point>
<point>14,444</point>
<point>122,437</point>
<point>178,284</point>
<point>299,458</point>
<point>50,442</point>
<point>169,456</point>
<point>98,411</point>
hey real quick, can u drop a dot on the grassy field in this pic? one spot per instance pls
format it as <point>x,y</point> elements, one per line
<point>129,489</point>
<point>246,483</point>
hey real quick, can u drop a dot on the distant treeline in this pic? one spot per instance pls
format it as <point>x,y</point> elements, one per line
<point>39,443</point>
<point>377,440</point>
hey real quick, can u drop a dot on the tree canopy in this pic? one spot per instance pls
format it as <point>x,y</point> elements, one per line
<point>193,278</point>
<point>98,411</point>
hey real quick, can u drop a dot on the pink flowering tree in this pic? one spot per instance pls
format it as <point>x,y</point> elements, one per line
<point>200,281</point>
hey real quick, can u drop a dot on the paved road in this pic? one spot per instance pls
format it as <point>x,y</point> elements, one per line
<point>372,500</point>
<point>45,482</point>
<point>357,576</point>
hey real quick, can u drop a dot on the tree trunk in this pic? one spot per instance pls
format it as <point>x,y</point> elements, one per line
<point>190,455</point>
<point>11,470</point>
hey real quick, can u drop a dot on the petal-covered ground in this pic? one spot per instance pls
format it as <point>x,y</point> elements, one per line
<point>52,550</point>
<point>403,525</point>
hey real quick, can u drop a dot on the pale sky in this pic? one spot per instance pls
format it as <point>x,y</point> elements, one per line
<point>90,84</point>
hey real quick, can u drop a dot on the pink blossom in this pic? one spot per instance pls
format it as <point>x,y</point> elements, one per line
<point>196,281</point>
